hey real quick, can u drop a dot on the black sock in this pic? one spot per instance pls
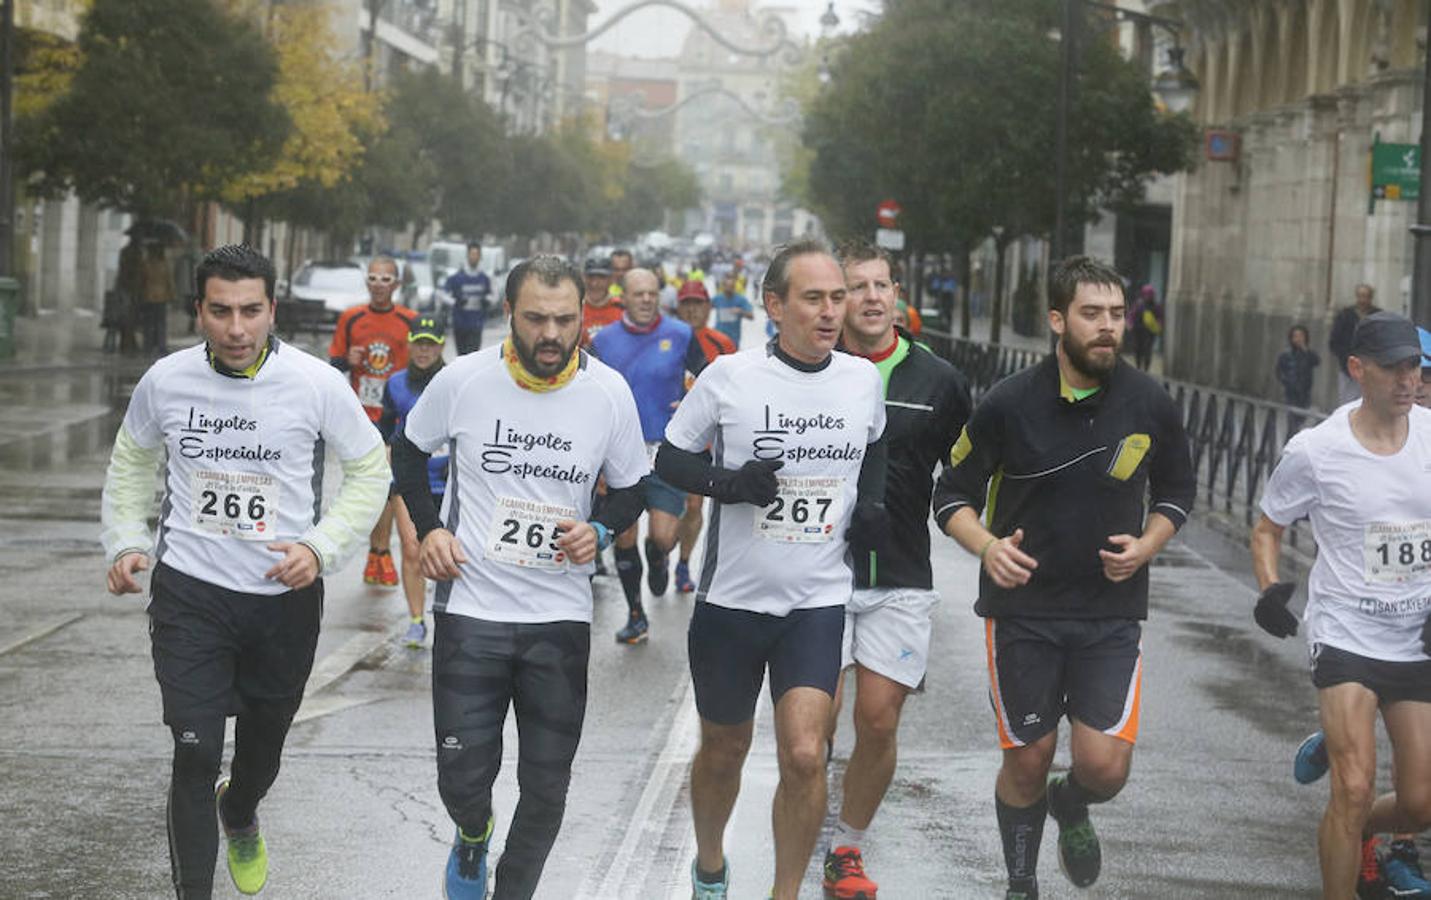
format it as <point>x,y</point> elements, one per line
<point>1074,799</point>
<point>705,877</point>
<point>1021,828</point>
<point>656,558</point>
<point>628,569</point>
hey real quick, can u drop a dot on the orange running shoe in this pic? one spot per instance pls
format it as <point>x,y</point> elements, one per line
<point>387,571</point>
<point>845,877</point>
<point>373,571</point>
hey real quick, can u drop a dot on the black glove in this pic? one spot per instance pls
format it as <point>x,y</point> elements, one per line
<point>1426,636</point>
<point>869,530</point>
<point>752,483</point>
<point>1272,613</point>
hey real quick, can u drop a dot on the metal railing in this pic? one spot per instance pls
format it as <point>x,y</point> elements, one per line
<point>1235,440</point>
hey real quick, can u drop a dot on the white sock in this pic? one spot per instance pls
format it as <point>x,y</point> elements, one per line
<point>846,836</point>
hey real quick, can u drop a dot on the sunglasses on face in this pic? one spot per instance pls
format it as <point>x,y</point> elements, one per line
<point>381,279</point>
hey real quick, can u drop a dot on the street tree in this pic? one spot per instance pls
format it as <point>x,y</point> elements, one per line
<point>171,102</point>
<point>331,114</point>
<point>948,106</point>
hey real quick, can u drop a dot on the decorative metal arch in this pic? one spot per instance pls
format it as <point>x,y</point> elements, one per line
<point>770,25</point>
<point>787,114</point>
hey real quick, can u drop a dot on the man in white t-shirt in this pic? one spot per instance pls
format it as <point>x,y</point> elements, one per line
<point>776,576</point>
<point>235,596</point>
<point>1363,477</point>
<point>530,425</point>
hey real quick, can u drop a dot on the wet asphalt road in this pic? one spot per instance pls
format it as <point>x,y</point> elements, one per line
<point>1211,810</point>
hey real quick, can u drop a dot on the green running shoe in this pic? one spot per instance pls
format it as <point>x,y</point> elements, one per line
<point>1079,855</point>
<point>248,855</point>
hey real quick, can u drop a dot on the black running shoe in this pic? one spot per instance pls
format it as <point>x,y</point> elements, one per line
<point>1079,855</point>
<point>1022,889</point>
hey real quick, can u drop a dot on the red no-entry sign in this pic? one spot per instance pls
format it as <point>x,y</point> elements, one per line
<point>887,213</point>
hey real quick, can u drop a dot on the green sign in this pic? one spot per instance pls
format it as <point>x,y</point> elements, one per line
<point>1395,171</point>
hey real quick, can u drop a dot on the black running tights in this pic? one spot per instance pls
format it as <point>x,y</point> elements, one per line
<point>480,667</point>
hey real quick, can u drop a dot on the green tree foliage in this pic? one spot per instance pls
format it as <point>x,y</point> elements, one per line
<point>171,102</point>
<point>949,107</point>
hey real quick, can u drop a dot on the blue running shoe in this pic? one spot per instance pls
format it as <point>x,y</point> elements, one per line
<point>1311,760</point>
<point>710,890</point>
<point>466,877</point>
<point>684,584</point>
<point>1401,873</point>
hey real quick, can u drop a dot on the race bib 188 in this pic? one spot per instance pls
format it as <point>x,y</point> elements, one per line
<point>1394,552</point>
<point>235,504</point>
<point>806,510</point>
<point>525,532</point>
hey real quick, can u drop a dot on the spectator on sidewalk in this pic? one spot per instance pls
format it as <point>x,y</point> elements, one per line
<point>1294,372</point>
<point>156,292</point>
<point>1340,340</point>
<point>1147,323</point>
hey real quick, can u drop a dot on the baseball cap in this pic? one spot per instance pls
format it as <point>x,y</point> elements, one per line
<point>692,290</point>
<point>426,329</point>
<point>1385,338</point>
<point>597,266</point>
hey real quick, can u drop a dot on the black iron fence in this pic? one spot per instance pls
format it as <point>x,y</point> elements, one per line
<point>1236,440</point>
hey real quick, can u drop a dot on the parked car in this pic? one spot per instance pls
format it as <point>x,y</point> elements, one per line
<point>336,284</point>
<point>418,284</point>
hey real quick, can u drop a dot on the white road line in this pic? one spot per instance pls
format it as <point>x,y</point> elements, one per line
<point>679,877</point>
<point>43,631</point>
<point>646,822</point>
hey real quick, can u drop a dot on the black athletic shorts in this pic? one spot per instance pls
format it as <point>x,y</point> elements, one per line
<point>1040,669</point>
<point>215,648</point>
<point>730,649</point>
<point>1390,681</point>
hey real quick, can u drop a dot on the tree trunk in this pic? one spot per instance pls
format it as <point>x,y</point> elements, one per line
<point>996,325</point>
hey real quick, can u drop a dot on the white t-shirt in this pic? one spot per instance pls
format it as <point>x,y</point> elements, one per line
<point>1370,590</point>
<point>245,457</point>
<point>750,405</point>
<point>520,462</point>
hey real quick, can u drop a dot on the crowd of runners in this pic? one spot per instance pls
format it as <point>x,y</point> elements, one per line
<point>615,421</point>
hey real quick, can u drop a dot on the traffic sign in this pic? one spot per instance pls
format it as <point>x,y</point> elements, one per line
<point>889,239</point>
<point>1395,171</point>
<point>887,214</point>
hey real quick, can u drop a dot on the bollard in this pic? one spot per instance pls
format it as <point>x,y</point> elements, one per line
<point>9,308</point>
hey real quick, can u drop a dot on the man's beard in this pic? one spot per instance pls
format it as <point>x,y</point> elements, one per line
<point>1084,362</point>
<point>528,356</point>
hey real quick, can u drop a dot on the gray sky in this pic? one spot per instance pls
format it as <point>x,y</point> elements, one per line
<point>659,31</point>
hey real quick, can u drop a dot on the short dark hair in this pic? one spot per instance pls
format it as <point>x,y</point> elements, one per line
<point>858,250</point>
<point>622,251</point>
<point>1299,327</point>
<point>551,270</point>
<point>1069,272</point>
<point>235,262</point>
<point>475,245</point>
<point>777,277</point>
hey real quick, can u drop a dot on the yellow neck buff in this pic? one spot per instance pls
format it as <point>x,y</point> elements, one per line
<point>529,382</point>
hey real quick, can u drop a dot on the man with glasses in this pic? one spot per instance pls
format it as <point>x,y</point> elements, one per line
<point>370,345</point>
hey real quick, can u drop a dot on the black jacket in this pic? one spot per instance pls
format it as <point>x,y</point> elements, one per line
<point>1070,474</point>
<point>1343,327</point>
<point>1294,371</point>
<point>926,405</point>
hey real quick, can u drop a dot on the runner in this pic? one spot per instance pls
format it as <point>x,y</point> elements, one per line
<point>530,424</point>
<point>773,590</point>
<point>471,293</point>
<point>887,623</point>
<point>694,308</point>
<point>425,344</point>
<point>731,309</point>
<point>370,344</point>
<point>1368,596</point>
<point>600,308</point>
<point>621,262</point>
<point>653,353</point>
<point>243,421</point>
<point>1069,448</point>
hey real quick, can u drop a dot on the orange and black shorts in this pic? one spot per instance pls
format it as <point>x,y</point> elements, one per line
<point>1042,669</point>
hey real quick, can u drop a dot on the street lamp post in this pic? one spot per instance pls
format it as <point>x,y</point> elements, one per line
<point>1421,266</point>
<point>1176,86</point>
<point>7,135</point>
